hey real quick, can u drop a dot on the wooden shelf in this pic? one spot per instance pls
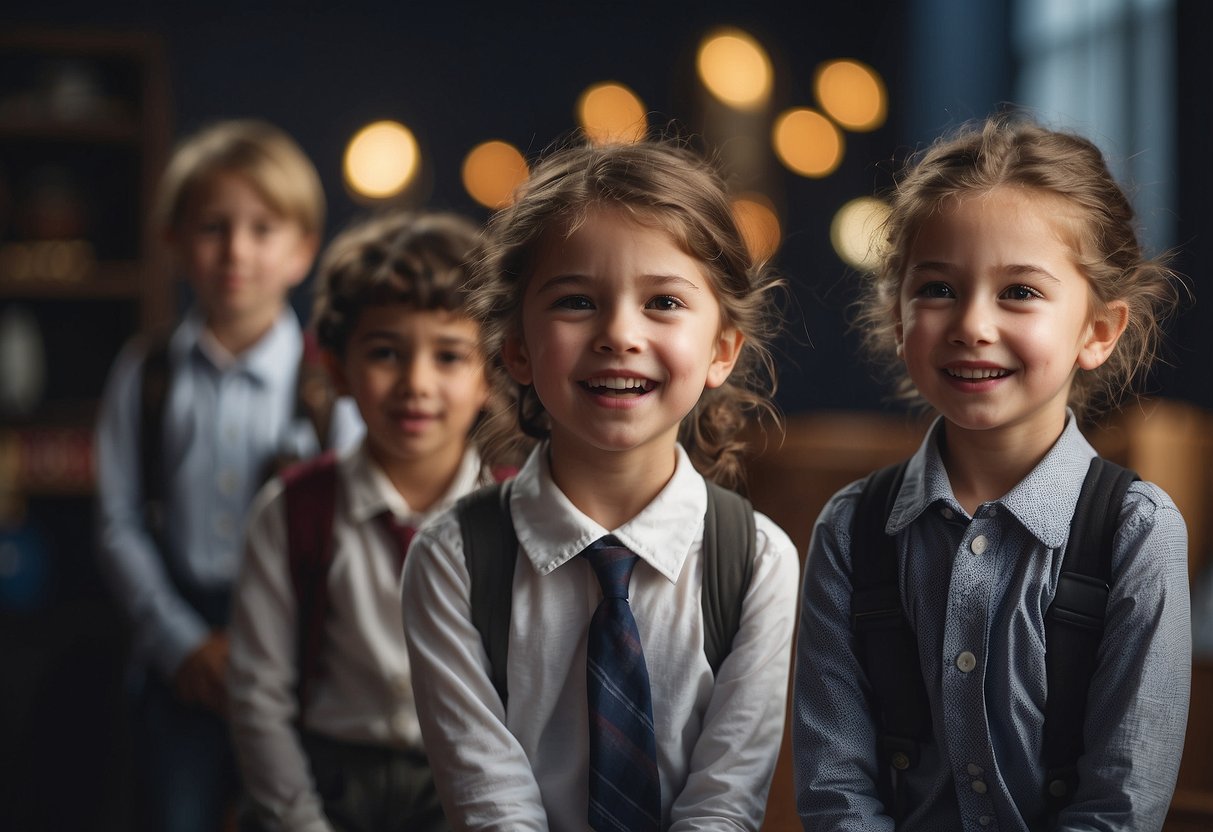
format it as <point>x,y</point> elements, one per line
<point>107,280</point>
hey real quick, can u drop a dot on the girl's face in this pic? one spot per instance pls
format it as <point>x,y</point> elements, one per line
<point>418,379</point>
<point>995,316</point>
<point>621,333</point>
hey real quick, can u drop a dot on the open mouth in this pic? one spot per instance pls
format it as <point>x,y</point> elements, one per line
<point>976,373</point>
<point>618,386</point>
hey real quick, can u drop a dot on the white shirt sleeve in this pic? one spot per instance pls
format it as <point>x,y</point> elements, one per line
<point>734,758</point>
<point>483,775</point>
<point>262,675</point>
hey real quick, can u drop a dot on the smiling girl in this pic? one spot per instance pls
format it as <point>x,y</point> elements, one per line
<point>1013,296</point>
<point>626,319</point>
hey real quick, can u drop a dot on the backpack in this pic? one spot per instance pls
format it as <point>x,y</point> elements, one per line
<point>887,649</point>
<point>490,548</point>
<point>310,495</point>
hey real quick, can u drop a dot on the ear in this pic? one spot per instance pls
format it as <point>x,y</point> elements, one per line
<point>336,372</point>
<point>304,256</point>
<point>728,350</point>
<point>899,338</point>
<point>1103,332</point>
<point>517,359</point>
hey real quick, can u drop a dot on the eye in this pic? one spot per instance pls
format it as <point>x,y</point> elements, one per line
<point>382,353</point>
<point>665,303</point>
<point>451,357</point>
<point>935,289</point>
<point>574,302</point>
<point>1020,292</point>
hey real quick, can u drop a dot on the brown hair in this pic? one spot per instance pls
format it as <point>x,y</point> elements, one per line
<point>1010,150</point>
<point>661,185</point>
<point>404,257</point>
<point>271,161</point>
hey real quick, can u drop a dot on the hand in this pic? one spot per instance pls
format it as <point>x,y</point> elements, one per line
<point>202,678</point>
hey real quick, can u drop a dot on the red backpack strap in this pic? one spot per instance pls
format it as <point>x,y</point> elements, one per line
<point>311,501</point>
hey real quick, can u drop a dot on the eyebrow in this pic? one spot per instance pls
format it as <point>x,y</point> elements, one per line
<point>1010,269</point>
<point>566,280</point>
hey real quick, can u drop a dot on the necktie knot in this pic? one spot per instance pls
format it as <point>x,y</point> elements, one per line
<point>613,563</point>
<point>400,533</point>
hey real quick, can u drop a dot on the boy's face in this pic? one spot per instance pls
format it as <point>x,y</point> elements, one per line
<point>418,379</point>
<point>240,255</point>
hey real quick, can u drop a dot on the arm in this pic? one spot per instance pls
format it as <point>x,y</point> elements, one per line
<point>165,626</point>
<point>1137,708</point>
<point>483,775</point>
<point>833,734</point>
<point>262,676</point>
<point>733,760</point>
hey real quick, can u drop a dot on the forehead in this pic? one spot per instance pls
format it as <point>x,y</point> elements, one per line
<point>403,319</point>
<point>1002,216</point>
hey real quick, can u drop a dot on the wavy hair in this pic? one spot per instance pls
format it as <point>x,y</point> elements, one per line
<point>658,184</point>
<point>1011,150</point>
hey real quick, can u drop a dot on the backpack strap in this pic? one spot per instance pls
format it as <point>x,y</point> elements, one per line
<point>490,549</point>
<point>1074,623</point>
<point>728,531</point>
<point>884,643</point>
<point>311,502</point>
<point>155,380</point>
<point>488,535</point>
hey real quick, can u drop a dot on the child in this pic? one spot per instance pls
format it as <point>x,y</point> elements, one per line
<point>187,429</point>
<point>1015,294</point>
<point>618,295</point>
<point>331,740</point>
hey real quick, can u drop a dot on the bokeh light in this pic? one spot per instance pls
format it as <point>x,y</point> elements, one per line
<point>856,230</point>
<point>491,172</point>
<point>735,68</point>
<point>759,225</point>
<point>611,113</point>
<point>851,93</point>
<point>381,160</point>
<point>807,142</point>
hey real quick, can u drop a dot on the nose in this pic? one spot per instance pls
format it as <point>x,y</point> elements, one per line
<point>417,375</point>
<point>973,322</point>
<point>237,242</point>
<point>620,330</point>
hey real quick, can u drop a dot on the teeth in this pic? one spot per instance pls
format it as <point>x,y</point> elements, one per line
<point>977,374</point>
<point>619,383</point>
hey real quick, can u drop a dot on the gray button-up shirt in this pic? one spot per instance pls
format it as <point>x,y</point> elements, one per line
<point>975,591</point>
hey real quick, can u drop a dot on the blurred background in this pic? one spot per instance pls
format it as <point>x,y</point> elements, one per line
<point>810,108</point>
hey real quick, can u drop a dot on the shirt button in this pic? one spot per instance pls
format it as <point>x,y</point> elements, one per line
<point>979,786</point>
<point>947,513</point>
<point>966,661</point>
<point>402,724</point>
<point>984,820</point>
<point>979,544</point>
<point>224,525</point>
<point>403,686</point>
<point>974,769</point>
<point>227,482</point>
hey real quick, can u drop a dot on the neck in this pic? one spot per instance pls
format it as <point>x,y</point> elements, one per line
<point>237,334</point>
<point>984,465</point>
<point>607,486</point>
<point>421,482</point>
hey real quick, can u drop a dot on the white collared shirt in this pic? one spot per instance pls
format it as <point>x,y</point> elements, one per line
<point>717,738</point>
<point>364,694</point>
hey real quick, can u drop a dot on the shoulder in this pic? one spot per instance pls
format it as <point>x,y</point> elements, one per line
<point>1150,521</point>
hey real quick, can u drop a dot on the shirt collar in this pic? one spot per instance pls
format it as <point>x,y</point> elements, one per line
<point>1043,502</point>
<point>551,530</point>
<point>371,492</point>
<point>263,361</point>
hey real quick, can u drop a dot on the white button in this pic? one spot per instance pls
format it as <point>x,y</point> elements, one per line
<point>966,661</point>
<point>979,786</point>
<point>978,544</point>
<point>947,513</point>
<point>227,482</point>
<point>974,769</point>
<point>223,524</point>
<point>984,820</point>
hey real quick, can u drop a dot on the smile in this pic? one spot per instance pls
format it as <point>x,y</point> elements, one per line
<point>976,373</point>
<point>618,386</point>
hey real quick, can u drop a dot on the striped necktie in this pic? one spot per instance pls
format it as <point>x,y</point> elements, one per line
<point>625,791</point>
